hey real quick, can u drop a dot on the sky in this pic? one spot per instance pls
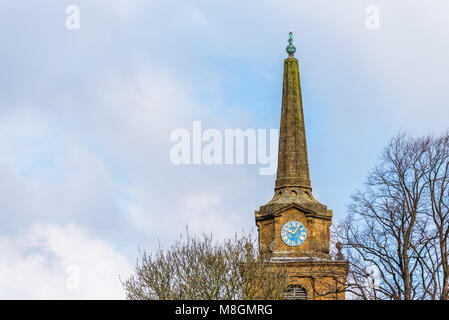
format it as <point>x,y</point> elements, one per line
<point>86,115</point>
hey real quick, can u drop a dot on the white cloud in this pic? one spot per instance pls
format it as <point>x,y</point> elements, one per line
<point>60,262</point>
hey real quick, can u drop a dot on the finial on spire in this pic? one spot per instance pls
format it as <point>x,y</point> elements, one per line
<point>290,48</point>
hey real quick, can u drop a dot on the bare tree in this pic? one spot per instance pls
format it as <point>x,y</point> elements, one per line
<point>437,197</point>
<point>396,232</point>
<point>199,268</point>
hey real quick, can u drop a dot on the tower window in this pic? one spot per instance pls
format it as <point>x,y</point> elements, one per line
<point>295,292</point>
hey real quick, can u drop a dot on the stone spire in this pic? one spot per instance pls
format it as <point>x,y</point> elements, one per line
<point>293,165</point>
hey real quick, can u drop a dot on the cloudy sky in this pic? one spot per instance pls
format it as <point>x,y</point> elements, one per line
<point>86,115</point>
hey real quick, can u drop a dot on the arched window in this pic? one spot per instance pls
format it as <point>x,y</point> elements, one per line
<point>295,292</point>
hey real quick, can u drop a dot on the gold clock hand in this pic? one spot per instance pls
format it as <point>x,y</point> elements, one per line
<point>296,229</point>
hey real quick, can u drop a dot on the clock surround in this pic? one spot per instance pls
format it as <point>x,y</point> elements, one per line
<point>293,233</point>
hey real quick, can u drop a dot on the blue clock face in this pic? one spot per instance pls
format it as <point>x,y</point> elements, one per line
<point>293,233</point>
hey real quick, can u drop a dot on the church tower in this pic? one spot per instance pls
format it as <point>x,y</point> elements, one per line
<point>294,227</point>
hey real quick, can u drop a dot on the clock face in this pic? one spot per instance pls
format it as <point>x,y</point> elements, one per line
<point>293,233</point>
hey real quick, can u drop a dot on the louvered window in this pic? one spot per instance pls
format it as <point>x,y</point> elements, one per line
<point>295,292</point>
